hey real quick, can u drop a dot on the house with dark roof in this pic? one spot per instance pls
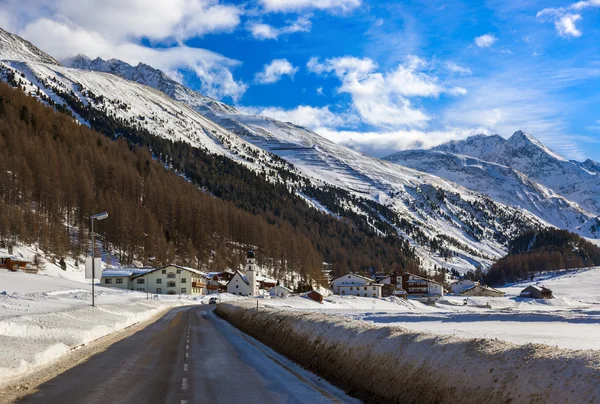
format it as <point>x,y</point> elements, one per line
<point>482,290</point>
<point>536,292</point>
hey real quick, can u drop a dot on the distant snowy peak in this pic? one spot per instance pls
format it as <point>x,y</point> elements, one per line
<point>478,146</point>
<point>151,77</point>
<point>13,47</point>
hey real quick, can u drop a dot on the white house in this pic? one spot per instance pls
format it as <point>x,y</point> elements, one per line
<point>356,285</point>
<point>280,291</point>
<point>245,284</point>
<point>171,280</point>
<point>461,285</point>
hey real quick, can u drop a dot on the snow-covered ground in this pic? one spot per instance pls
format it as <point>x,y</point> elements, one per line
<point>44,316</point>
<point>571,320</point>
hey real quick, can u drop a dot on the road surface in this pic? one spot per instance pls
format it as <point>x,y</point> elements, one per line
<point>188,356</point>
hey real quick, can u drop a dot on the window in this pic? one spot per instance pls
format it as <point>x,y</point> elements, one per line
<point>141,281</point>
<point>365,288</point>
<point>159,280</point>
<point>183,280</point>
<point>171,275</point>
<point>107,281</point>
<point>374,288</point>
<point>164,271</point>
<point>348,276</point>
<point>171,284</point>
<point>179,271</point>
<point>351,288</point>
<point>183,290</point>
<point>343,292</point>
<point>374,294</point>
<point>119,280</point>
<point>158,290</point>
<point>237,286</point>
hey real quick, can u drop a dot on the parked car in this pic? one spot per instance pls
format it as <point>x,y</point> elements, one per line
<point>213,300</point>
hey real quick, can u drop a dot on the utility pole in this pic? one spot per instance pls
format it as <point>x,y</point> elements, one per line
<point>97,216</point>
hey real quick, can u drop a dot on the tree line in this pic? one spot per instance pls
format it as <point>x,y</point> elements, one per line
<point>535,252</point>
<point>55,173</point>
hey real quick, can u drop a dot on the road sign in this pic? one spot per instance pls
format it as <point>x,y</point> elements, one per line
<point>97,269</point>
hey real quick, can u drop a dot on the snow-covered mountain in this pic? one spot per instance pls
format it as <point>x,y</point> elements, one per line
<point>502,183</point>
<point>578,182</point>
<point>429,211</point>
<point>16,48</point>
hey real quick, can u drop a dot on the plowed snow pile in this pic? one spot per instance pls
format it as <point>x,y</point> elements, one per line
<point>396,365</point>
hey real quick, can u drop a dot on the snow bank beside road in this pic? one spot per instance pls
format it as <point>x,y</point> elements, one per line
<point>392,364</point>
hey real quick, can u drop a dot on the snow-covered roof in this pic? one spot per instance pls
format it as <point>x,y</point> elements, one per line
<point>241,276</point>
<point>124,272</point>
<point>261,278</point>
<point>282,287</point>
<point>13,257</point>
<point>357,275</point>
<point>195,271</point>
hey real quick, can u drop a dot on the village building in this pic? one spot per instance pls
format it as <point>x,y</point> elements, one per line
<point>356,285</point>
<point>245,284</point>
<point>415,286</point>
<point>121,277</point>
<point>387,289</point>
<point>316,296</point>
<point>461,285</point>
<point>171,280</point>
<point>14,263</point>
<point>280,291</point>
<point>482,290</point>
<point>536,292</point>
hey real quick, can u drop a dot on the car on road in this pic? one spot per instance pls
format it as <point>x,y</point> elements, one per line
<point>213,300</point>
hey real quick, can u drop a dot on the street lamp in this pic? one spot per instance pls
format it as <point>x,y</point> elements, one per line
<point>97,216</point>
<point>147,270</point>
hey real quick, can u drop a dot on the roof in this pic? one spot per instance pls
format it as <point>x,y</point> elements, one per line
<point>358,286</point>
<point>282,287</point>
<point>13,257</point>
<point>425,279</point>
<point>241,276</point>
<point>261,278</point>
<point>195,271</point>
<point>483,287</point>
<point>314,291</point>
<point>124,272</point>
<point>357,275</point>
<point>538,288</point>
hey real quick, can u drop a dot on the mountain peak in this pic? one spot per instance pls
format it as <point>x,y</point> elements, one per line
<point>523,140</point>
<point>13,47</point>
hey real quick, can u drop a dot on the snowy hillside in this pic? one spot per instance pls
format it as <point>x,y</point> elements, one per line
<point>502,183</point>
<point>429,211</point>
<point>578,182</point>
<point>16,48</point>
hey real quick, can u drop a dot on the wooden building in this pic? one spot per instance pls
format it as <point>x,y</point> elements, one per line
<point>316,296</point>
<point>536,292</point>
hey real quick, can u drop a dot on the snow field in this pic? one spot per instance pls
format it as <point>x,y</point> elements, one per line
<point>394,364</point>
<point>571,320</point>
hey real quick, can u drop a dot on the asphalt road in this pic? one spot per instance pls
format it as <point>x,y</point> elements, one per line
<point>188,356</point>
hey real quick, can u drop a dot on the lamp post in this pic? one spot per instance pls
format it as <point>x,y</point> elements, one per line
<point>97,216</point>
<point>147,270</point>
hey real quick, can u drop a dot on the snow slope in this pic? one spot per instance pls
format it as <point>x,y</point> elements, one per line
<point>474,227</point>
<point>578,182</point>
<point>503,184</point>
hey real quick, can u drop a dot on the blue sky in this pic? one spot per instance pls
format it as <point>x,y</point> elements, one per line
<point>379,76</point>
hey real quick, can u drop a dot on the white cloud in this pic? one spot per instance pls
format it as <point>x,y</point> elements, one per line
<point>565,18</point>
<point>213,69</point>
<point>297,5</point>
<point>310,117</point>
<point>274,71</point>
<point>320,90</point>
<point>382,99</point>
<point>485,41</point>
<point>381,144</point>
<point>456,68</point>
<point>265,31</point>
